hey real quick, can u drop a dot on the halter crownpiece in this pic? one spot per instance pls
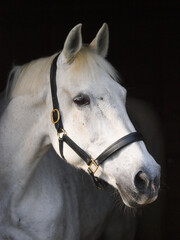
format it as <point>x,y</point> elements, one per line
<point>93,164</point>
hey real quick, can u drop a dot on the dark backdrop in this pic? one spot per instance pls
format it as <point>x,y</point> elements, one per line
<point>144,47</point>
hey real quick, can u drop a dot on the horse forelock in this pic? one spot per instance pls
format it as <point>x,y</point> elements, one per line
<point>88,61</point>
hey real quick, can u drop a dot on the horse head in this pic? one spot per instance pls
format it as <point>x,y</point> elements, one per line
<point>93,112</point>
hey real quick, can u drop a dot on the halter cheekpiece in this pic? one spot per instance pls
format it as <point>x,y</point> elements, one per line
<point>93,164</point>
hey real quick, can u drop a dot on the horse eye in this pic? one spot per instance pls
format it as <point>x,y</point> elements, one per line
<point>82,99</point>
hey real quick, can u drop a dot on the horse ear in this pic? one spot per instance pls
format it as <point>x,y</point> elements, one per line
<point>101,42</point>
<point>72,44</point>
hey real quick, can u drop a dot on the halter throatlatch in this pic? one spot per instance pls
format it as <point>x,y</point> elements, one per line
<point>92,163</point>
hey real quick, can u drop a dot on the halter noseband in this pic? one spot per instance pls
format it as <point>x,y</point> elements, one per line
<point>93,164</point>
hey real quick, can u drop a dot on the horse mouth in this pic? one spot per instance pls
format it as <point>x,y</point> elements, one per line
<point>133,199</point>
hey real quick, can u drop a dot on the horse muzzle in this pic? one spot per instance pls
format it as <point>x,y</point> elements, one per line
<point>142,191</point>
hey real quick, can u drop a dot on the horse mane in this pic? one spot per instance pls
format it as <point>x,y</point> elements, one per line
<point>31,77</point>
<point>28,78</point>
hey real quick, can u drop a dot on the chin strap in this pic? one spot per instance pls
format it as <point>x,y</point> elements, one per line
<point>93,164</point>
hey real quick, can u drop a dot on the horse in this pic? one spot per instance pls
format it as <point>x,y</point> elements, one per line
<point>71,101</point>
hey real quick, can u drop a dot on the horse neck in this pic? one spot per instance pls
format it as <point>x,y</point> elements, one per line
<point>23,139</point>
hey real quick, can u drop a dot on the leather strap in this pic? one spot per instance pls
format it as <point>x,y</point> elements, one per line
<point>118,145</point>
<point>82,154</point>
<point>58,125</point>
<point>113,148</point>
<point>55,102</point>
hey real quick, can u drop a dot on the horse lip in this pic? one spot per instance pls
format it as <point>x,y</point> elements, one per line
<point>152,199</point>
<point>132,199</point>
<point>127,198</point>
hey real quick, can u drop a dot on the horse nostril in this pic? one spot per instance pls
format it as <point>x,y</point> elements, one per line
<point>141,181</point>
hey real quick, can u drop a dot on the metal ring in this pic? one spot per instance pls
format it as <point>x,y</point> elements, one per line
<point>61,134</point>
<point>52,117</point>
<point>93,166</point>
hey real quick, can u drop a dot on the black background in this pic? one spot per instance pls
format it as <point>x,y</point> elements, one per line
<point>144,48</point>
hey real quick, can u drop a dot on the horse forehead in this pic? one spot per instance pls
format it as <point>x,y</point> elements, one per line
<point>86,74</point>
<point>95,81</point>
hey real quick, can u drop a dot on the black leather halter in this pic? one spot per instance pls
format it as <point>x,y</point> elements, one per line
<point>93,164</point>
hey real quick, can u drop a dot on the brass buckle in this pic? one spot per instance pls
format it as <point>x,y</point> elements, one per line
<point>52,117</point>
<point>93,166</point>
